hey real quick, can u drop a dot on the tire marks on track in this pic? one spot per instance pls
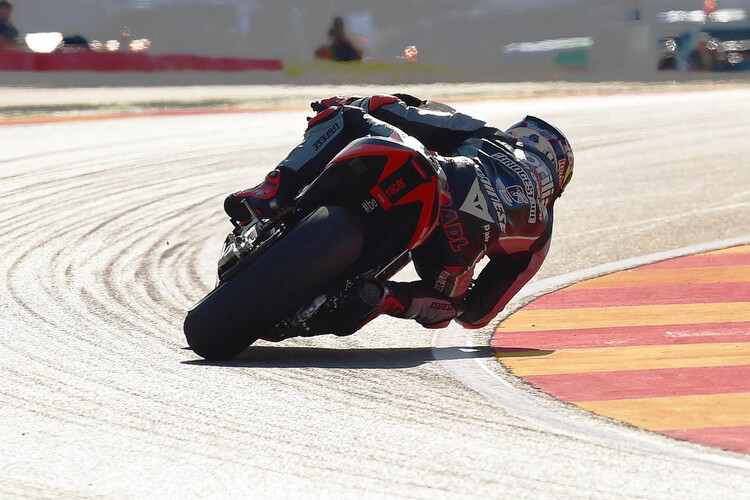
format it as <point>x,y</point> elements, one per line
<point>110,403</point>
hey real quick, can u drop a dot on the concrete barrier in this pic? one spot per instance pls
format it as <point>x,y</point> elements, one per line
<point>129,62</point>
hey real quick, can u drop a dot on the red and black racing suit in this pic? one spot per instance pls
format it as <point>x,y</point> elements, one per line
<point>502,194</point>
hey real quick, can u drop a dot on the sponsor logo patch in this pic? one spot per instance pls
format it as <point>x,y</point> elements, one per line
<point>452,227</point>
<point>528,184</point>
<point>503,191</point>
<point>441,306</point>
<point>476,204</point>
<point>369,205</point>
<point>327,135</point>
<point>516,192</point>
<point>546,181</point>
<point>394,188</point>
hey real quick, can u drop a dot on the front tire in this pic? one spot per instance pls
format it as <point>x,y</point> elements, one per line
<point>280,281</point>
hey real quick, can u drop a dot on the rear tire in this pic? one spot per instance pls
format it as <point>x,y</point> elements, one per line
<point>280,281</point>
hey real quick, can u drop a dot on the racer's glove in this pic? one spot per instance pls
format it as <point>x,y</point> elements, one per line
<point>410,100</point>
<point>336,100</point>
<point>266,199</point>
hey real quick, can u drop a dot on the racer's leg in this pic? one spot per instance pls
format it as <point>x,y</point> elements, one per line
<point>413,300</point>
<point>327,134</point>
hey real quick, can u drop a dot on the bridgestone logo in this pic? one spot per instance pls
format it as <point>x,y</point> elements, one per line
<point>528,185</point>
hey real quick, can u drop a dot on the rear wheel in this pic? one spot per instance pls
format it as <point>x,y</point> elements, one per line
<point>280,281</point>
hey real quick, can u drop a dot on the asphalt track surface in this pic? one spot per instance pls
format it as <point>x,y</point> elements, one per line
<point>110,231</point>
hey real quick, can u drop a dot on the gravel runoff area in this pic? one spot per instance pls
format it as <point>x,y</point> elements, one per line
<point>25,102</point>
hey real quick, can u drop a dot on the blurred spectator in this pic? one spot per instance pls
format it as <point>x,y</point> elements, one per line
<point>340,47</point>
<point>8,32</point>
<point>125,39</point>
<point>702,57</point>
<point>668,57</point>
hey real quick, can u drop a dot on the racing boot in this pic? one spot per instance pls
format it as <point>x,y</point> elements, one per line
<point>364,302</point>
<point>266,199</point>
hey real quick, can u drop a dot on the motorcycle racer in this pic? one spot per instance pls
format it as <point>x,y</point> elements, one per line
<point>502,186</point>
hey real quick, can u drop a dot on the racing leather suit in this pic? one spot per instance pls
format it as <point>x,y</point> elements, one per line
<point>501,197</point>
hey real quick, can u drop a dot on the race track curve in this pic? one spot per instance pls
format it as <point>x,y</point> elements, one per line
<point>110,231</point>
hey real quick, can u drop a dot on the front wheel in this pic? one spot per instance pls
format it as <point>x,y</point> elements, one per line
<point>276,284</point>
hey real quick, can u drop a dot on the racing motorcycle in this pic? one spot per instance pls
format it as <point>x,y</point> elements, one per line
<point>319,265</point>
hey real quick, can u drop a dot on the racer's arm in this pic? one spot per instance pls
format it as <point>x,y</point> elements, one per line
<point>440,131</point>
<point>501,280</point>
<point>326,135</point>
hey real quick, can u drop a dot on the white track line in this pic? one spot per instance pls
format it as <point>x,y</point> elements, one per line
<point>530,405</point>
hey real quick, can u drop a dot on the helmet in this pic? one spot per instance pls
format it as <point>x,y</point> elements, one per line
<point>548,140</point>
